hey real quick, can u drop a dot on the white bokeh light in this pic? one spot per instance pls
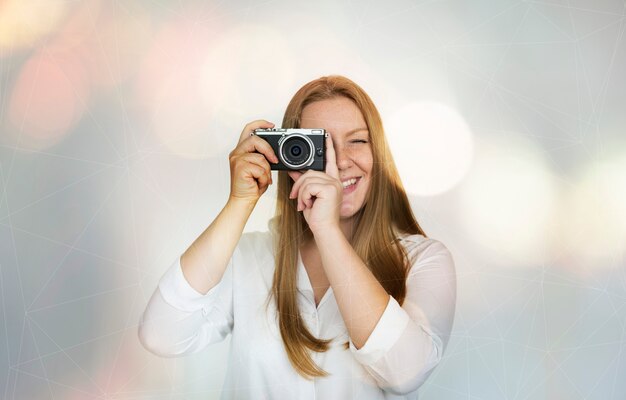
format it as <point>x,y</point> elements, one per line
<point>508,200</point>
<point>593,217</point>
<point>431,145</point>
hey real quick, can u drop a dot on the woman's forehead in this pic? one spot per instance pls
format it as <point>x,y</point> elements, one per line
<point>335,115</point>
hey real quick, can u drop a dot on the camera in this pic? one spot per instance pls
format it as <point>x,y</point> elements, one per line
<point>296,148</point>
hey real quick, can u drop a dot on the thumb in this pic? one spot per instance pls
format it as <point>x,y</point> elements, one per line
<point>294,175</point>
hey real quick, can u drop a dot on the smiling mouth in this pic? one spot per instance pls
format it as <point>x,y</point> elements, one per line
<point>350,182</point>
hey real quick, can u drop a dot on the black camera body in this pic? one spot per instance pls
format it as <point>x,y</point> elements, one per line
<point>296,148</point>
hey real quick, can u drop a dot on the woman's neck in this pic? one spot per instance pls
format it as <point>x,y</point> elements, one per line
<point>347,227</point>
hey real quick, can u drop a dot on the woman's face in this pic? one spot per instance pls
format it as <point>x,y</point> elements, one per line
<point>348,130</point>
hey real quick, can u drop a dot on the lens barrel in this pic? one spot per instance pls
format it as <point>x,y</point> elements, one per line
<point>296,151</point>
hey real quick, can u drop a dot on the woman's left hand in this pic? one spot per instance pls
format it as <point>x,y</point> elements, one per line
<point>319,193</point>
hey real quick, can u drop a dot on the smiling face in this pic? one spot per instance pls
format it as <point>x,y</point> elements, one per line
<point>344,121</point>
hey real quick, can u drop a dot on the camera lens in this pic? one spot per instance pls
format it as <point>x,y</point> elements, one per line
<point>296,152</point>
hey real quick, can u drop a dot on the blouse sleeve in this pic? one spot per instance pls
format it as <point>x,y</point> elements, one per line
<point>408,341</point>
<point>178,320</point>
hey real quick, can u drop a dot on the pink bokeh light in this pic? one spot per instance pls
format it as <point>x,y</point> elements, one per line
<point>48,98</point>
<point>167,91</point>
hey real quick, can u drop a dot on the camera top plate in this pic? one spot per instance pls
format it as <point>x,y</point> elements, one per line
<point>287,131</point>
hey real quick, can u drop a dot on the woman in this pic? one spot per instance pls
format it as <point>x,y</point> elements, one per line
<point>344,297</point>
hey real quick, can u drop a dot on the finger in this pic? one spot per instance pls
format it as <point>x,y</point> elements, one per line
<point>259,160</point>
<point>263,178</point>
<point>331,158</point>
<point>309,191</point>
<point>295,175</point>
<point>300,180</point>
<point>256,144</point>
<point>256,158</point>
<point>251,126</point>
<point>255,172</point>
<point>304,193</point>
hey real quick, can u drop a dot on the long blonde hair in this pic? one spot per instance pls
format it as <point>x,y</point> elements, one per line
<point>374,240</point>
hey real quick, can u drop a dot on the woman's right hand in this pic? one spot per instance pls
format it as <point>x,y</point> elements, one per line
<point>250,172</point>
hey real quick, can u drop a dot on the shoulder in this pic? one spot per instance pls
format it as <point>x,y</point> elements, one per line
<point>424,252</point>
<point>416,243</point>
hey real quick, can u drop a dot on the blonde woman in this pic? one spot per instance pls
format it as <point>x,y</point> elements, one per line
<point>344,297</point>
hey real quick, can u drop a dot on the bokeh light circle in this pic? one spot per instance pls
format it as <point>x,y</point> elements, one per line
<point>24,22</point>
<point>431,145</point>
<point>168,88</point>
<point>508,200</point>
<point>49,97</point>
<point>249,70</point>
<point>593,216</point>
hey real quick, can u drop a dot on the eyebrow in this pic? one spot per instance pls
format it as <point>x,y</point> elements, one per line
<point>353,131</point>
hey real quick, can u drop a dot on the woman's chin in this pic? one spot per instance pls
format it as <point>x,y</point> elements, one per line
<point>347,211</point>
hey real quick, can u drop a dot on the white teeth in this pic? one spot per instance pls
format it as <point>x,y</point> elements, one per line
<point>348,182</point>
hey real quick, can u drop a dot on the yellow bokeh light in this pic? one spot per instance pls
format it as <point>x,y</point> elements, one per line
<point>24,22</point>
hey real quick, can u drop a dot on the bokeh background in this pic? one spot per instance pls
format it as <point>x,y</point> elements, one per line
<point>507,120</point>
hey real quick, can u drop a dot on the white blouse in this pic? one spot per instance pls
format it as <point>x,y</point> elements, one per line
<point>403,349</point>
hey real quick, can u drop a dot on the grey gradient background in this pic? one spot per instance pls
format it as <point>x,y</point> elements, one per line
<point>116,119</point>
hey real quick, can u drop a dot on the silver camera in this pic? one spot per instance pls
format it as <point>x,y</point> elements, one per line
<point>296,148</point>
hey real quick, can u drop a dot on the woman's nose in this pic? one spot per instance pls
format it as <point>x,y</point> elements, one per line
<point>343,158</point>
